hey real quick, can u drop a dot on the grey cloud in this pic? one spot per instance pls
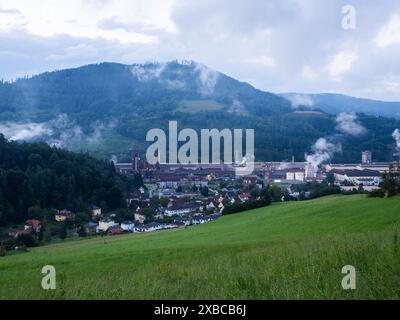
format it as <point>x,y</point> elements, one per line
<point>237,37</point>
<point>9,11</point>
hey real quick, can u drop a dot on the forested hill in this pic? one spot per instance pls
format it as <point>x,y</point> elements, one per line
<point>34,174</point>
<point>108,108</point>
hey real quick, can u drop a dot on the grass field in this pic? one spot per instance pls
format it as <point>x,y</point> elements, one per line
<point>285,251</point>
<point>195,106</point>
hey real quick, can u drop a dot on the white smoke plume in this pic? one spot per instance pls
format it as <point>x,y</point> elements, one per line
<point>237,108</point>
<point>301,100</point>
<point>147,72</point>
<point>208,79</point>
<point>396,137</point>
<point>114,159</point>
<point>347,123</point>
<point>323,151</point>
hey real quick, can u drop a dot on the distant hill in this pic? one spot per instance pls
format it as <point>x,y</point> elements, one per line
<point>337,103</point>
<point>108,108</point>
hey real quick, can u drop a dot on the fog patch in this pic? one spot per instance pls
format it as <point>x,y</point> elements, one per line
<point>347,123</point>
<point>207,79</point>
<point>301,100</point>
<point>25,131</point>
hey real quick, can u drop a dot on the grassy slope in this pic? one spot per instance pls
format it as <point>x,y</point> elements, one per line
<point>290,250</point>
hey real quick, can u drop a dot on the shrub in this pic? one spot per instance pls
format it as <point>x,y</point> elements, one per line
<point>254,204</point>
<point>377,193</point>
<point>2,250</point>
<point>28,240</point>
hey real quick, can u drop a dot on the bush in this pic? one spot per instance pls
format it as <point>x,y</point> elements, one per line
<point>28,240</point>
<point>21,247</point>
<point>377,193</point>
<point>82,232</point>
<point>2,250</point>
<point>9,244</point>
<point>249,205</point>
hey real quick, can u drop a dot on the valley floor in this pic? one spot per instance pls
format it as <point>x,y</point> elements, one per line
<point>285,251</point>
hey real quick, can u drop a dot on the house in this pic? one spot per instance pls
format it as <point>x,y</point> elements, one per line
<point>181,222</point>
<point>366,177</point>
<point>210,205</point>
<point>64,215</point>
<point>16,233</point>
<point>295,175</point>
<point>139,217</point>
<point>115,230</point>
<point>33,224</point>
<point>183,209</point>
<point>106,224</point>
<point>90,228</point>
<point>200,219</point>
<point>250,180</point>
<point>96,211</point>
<point>168,181</point>
<point>244,197</point>
<point>128,226</point>
<point>149,227</point>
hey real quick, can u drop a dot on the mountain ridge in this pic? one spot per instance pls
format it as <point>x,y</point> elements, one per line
<point>335,103</point>
<point>107,108</point>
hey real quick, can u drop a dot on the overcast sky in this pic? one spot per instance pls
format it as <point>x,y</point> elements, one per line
<point>279,46</point>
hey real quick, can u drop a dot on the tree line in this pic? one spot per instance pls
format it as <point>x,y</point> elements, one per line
<point>35,175</point>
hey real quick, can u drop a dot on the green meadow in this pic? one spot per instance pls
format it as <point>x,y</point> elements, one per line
<point>290,250</point>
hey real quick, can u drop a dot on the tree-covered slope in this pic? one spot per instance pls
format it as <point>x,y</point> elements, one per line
<point>108,108</point>
<point>34,174</point>
<point>336,103</point>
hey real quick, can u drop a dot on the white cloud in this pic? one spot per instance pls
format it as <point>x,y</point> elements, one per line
<point>279,46</point>
<point>389,34</point>
<point>78,18</point>
<point>347,123</point>
<point>263,61</point>
<point>298,100</point>
<point>309,73</point>
<point>341,63</point>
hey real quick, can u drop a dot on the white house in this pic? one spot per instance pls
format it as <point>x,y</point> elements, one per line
<point>365,177</point>
<point>139,217</point>
<point>200,219</point>
<point>183,209</point>
<point>106,224</point>
<point>149,227</point>
<point>294,175</point>
<point>128,226</point>
<point>96,211</point>
<point>210,206</point>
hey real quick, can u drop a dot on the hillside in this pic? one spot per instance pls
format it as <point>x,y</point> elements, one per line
<point>108,108</point>
<point>337,103</point>
<point>34,175</point>
<point>290,250</point>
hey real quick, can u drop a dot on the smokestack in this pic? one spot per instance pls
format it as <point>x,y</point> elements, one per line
<point>366,157</point>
